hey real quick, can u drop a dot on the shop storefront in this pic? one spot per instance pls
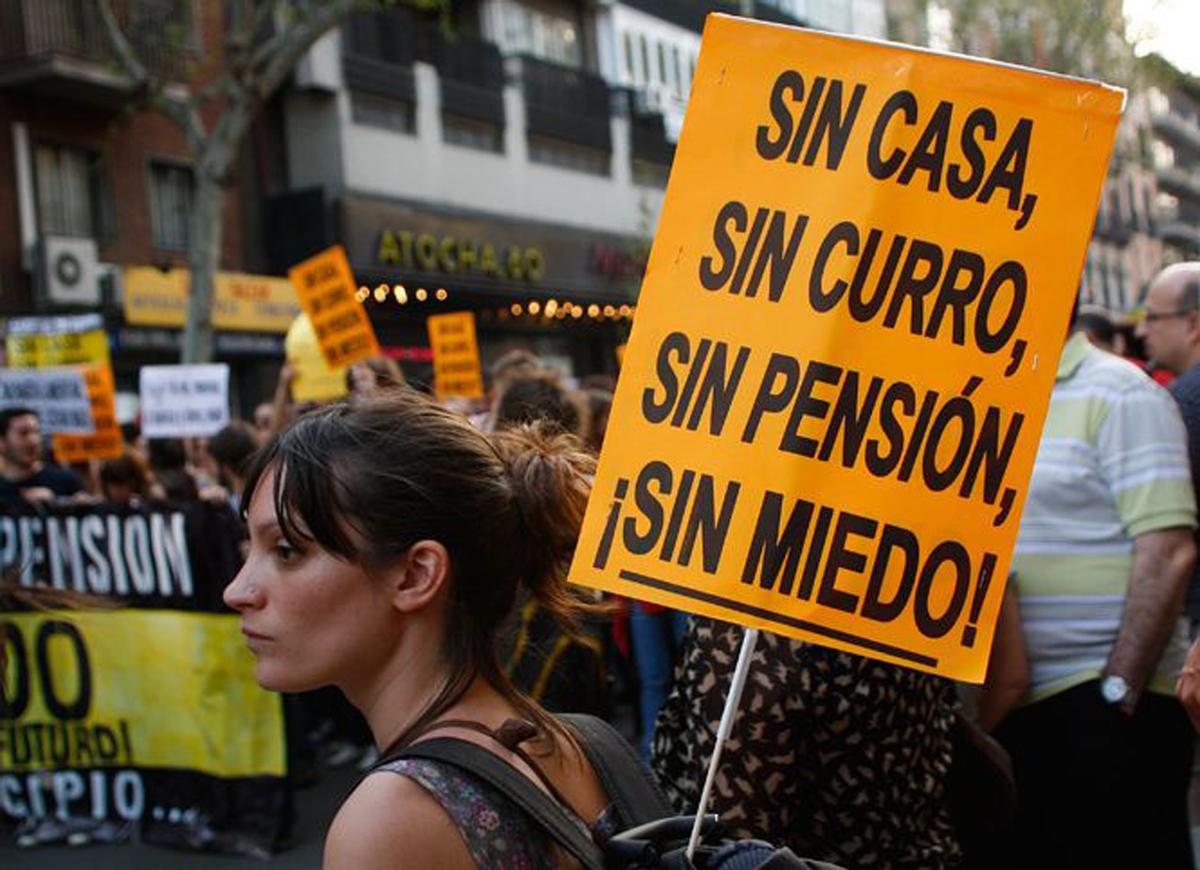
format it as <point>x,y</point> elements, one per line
<point>251,315</point>
<point>566,293</point>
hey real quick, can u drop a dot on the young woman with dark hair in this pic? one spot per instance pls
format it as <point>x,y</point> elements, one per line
<point>388,542</point>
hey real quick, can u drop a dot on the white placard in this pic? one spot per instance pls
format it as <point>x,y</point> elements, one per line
<point>61,325</point>
<point>184,401</point>
<point>58,396</point>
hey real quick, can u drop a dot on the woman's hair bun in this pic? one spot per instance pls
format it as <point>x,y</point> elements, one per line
<point>550,473</point>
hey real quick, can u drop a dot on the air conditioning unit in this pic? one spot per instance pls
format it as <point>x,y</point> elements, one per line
<point>70,272</point>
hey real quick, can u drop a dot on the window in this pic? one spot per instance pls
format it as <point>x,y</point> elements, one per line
<point>376,111</point>
<point>171,187</point>
<point>542,34</point>
<point>630,75</point>
<point>568,155</point>
<point>662,63</point>
<point>470,133</point>
<point>677,73</point>
<point>73,197</point>
<point>645,58</point>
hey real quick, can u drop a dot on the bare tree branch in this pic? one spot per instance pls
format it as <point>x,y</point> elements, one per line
<point>298,38</point>
<point>179,106</point>
<point>185,112</point>
<point>248,21</point>
<point>124,51</point>
<point>222,83</point>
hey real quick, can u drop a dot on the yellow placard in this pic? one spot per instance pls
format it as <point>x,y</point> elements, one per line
<point>241,302</point>
<point>106,441</point>
<point>63,349</point>
<point>326,288</point>
<point>136,689</point>
<point>846,340</point>
<point>456,369</point>
<point>46,342</point>
<point>314,380</point>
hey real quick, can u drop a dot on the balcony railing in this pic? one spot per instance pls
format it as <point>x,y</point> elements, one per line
<point>36,31</point>
<point>647,135</point>
<point>380,49</point>
<point>390,36</point>
<point>567,103</point>
<point>1179,183</point>
<point>471,73</point>
<point>1178,130</point>
<point>1183,235</point>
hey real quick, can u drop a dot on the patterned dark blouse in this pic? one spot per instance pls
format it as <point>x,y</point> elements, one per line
<point>497,833</point>
<point>841,758</point>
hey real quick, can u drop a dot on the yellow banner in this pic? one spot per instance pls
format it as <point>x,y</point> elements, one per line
<point>326,287</point>
<point>136,688</point>
<point>106,442</point>
<point>63,349</point>
<point>314,381</point>
<point>846,340</point>
<point>249,303</point>
<point>456,369</point>
<point>46,342</point>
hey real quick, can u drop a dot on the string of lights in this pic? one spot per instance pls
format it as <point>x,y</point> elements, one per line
<point>534,310</point>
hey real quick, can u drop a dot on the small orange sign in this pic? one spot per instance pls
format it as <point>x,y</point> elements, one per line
<point>106,441</point>
<point>326,288</point>
<point>456,370</point>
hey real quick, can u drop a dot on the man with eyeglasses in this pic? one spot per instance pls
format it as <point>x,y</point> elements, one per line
<point>1170,328</point>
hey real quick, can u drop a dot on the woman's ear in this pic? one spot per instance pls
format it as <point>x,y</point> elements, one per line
<point>419,577</point>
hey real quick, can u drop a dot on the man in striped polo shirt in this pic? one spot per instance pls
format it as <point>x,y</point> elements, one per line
<point>1102,750</point>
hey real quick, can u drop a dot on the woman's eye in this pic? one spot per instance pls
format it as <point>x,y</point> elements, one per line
<point>286,552</point>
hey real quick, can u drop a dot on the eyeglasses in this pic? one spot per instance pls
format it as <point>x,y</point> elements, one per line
<point>1152,316</point>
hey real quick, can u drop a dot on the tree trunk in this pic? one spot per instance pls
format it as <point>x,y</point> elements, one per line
<point>204,259</point>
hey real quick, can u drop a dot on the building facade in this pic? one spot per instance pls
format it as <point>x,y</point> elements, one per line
<point>95,192</point>
<point>1149,214</point>
<point>1175,156</point>
<point>514,168</point>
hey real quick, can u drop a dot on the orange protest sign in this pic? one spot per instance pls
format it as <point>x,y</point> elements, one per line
<point>456,369</point>
<point>106,441</point>
<point>326,287</point>
<point>846,338</point>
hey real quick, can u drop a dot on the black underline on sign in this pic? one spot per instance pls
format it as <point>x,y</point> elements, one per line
<point>779,619</point>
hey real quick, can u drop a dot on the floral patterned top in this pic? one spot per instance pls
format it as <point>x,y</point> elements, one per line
<point>496,832</point>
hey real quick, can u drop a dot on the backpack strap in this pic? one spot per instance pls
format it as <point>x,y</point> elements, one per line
<point>626,781</point>
<point>543,810</point>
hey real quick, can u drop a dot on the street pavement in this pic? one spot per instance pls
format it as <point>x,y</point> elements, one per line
<point>315,808</point>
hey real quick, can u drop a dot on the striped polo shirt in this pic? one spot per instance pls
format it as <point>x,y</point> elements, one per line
<point>1112,465</point>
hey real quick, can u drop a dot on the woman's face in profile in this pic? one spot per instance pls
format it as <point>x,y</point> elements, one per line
<point>310,618</point>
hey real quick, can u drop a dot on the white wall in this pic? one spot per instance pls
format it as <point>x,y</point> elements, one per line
<point>423,167</point>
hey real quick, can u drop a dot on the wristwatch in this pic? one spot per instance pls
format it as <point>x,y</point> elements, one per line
<point>1114,689</point>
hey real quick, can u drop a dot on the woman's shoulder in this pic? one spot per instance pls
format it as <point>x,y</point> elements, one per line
<point>393,821</point>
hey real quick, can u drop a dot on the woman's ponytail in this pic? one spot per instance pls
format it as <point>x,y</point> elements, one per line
<point>550,474</point>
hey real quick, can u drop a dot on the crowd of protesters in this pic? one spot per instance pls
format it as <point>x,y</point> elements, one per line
<point>1076,750</point>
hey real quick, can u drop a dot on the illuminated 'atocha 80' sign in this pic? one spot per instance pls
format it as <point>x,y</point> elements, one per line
<point>428,252</point>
